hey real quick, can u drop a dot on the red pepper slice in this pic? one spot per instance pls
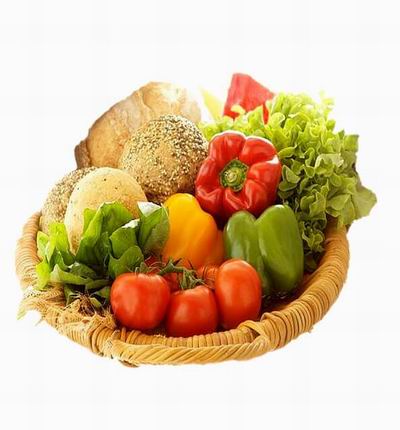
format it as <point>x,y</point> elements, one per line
<point>239,174</point>
<point>247,93</point>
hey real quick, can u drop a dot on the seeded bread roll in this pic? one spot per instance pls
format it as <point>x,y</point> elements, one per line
<point>57,200</point>
<point>106,139</point>
<point>164,156</point>
<point>103,185</point>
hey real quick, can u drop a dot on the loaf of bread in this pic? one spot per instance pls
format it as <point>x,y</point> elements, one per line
<point>56,202</point>
<point>107,136</point>
<point>103,185</point>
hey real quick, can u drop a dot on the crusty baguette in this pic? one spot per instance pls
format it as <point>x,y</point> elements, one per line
<point>107,136</point>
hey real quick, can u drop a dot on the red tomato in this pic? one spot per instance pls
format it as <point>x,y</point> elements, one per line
<point>139,301</point>
<point>208,274</point>
<point>192,312</point>
<point>238,293</point>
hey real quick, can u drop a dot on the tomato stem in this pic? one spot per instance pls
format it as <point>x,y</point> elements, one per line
<point>188,279</point>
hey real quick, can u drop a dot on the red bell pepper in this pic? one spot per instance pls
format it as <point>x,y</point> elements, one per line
<point>247,93</point>
<point>240,173</point>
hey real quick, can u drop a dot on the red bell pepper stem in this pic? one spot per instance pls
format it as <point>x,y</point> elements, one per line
<point>234,175</point>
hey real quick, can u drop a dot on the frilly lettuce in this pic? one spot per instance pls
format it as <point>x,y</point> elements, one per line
<point>319,177</point>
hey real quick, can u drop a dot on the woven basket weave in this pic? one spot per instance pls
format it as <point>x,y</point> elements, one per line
<point>100,334</point>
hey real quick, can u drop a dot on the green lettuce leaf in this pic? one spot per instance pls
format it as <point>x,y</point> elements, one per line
<point>42,239</point>
<point>100,298</point>
<point>364,200</point>
<point>115,216</point>
<point>153,228</point>
<point>70,294</point>
<point>124,238</point>
<point>59,276</point>
<point>59,237</point>
<point>96,285</point>
<point>94,246</point>
<point>82,270</point>
<point>128,262</point>
<point>54,251</point>
<point>43,271</point>
<point>86,251</point>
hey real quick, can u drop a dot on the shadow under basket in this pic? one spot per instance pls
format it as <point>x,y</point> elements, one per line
<point>100,333</point>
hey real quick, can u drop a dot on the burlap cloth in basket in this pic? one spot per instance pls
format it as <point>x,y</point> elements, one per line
<point>100,333</point>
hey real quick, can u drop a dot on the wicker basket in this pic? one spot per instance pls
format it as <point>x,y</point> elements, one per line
<point>100,333</point>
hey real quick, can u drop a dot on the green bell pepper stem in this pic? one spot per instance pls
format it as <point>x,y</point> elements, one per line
<point>281,248</point>
<point>241,241</point>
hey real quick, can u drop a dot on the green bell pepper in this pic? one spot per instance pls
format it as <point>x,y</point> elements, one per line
<point>281,248</point>
<point>241,241</point>
<point>271,244</point>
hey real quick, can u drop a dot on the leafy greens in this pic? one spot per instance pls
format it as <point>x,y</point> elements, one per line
<point>112,243</point>
<point>319,177</point>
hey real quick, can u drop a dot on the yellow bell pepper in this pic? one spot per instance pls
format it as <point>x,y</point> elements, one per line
<point>194,237</point>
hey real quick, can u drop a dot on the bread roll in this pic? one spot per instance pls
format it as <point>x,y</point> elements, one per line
<point>56,202</point>
<point>105,141</point>
<point>164,156</point>
<point>104,185</point>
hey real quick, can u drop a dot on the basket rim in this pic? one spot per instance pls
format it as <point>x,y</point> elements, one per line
<point>102,336</point>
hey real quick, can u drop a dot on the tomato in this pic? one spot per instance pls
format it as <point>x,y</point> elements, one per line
<point>140,301</point>
<point>238,293</point>
<point>192,312</point>
<point>208,273</point>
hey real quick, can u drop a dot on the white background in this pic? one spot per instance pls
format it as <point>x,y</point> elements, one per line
<point>62,64</point>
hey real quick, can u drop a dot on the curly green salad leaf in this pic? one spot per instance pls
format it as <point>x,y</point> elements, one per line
<point>112,243</point>
<point>319,177</point>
